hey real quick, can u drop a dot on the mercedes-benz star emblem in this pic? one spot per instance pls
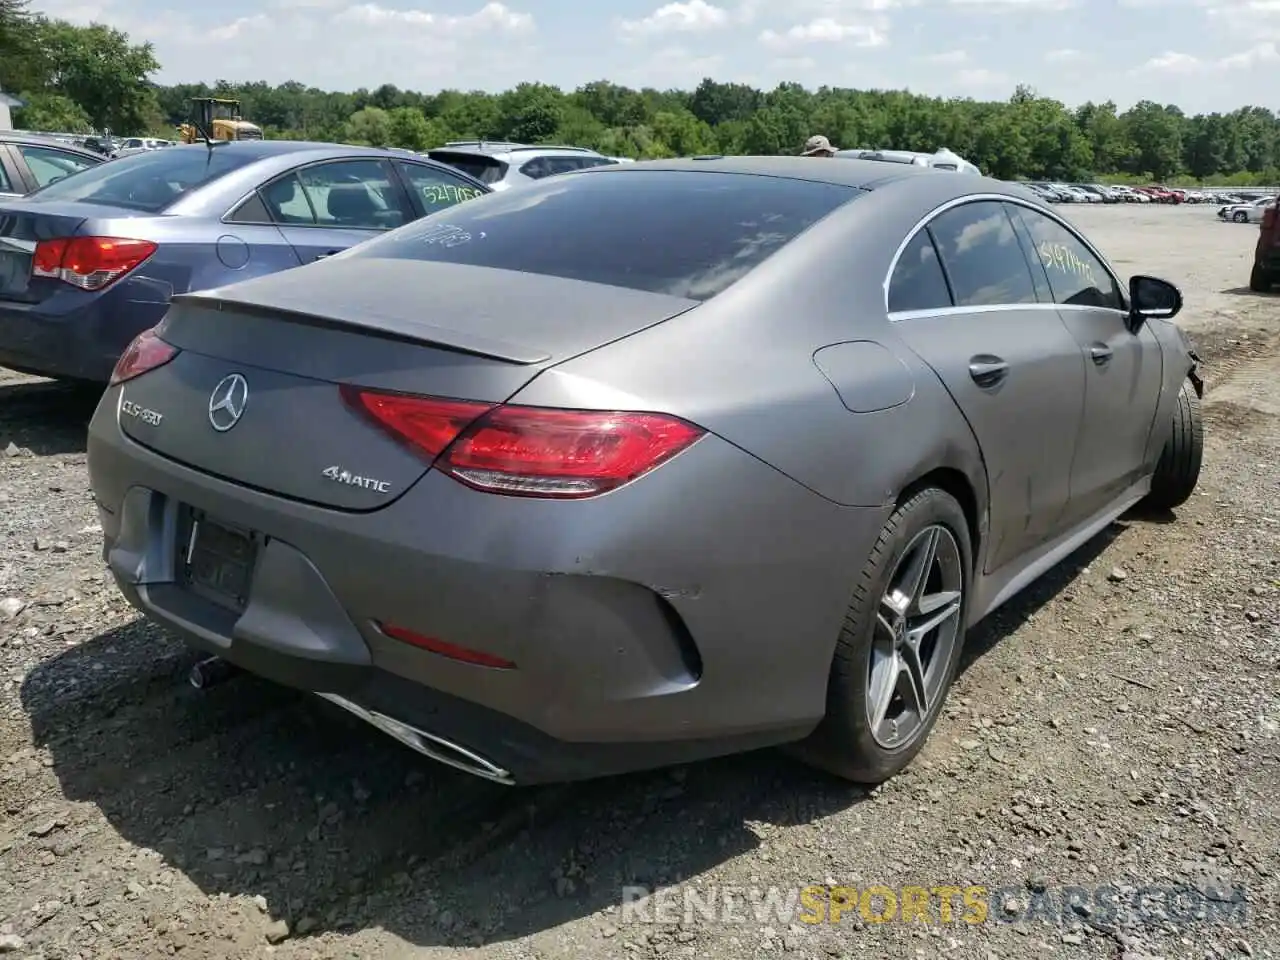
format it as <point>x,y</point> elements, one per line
<point>227,402</point>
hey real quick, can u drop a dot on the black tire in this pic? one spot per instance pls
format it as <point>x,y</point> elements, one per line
<point>1179,468</point>
<point>1240,217</point>
<point>843,743</point>
<point>1260,279</point>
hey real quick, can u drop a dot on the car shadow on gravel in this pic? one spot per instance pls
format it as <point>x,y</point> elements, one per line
<point>1246,292</point>
<point>250,789</point>
<point>47,417</point>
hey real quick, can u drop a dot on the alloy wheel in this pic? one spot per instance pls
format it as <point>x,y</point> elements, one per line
<point>916,631</point>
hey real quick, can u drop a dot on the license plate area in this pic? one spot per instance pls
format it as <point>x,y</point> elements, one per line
<point>15,271</point>
<point>216,559</point>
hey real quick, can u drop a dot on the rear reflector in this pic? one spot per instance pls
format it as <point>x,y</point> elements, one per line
<point>90,263</point>
<point>145,353</point>
<point>529,451</point>
<point>450,650</point>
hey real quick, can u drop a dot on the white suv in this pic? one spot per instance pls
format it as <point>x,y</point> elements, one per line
<point>501,165</point>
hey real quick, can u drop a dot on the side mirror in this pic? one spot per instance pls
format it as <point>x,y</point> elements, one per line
<point>1151,298</point>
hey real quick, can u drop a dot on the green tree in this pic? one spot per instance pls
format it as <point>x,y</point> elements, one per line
<point>98,68</point>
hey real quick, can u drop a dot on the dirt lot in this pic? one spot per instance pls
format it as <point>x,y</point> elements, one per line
<point>1117,726</point>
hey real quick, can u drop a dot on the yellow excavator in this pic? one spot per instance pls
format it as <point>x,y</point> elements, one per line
<point>214,118</point>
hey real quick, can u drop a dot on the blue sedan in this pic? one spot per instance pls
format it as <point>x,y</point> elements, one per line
<point>88,262</point>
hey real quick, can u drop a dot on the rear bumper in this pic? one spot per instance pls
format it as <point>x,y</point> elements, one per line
<point>676,619</point>
<point>82,345</point>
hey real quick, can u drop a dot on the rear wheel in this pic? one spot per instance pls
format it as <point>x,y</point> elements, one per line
<point>1260,279</point>
<point>900,644</point>
<point>1179,468</point>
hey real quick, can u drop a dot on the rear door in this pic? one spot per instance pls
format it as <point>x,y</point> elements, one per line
<point>1123,370</point>
<point>964,298</point>
<point>326,207</point>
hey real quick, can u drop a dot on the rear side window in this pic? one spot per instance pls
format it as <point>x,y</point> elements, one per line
<point>148,181</point>
<point>982,256</point>
<point>685,234</point>
<point>918,282</point>
<point>485,169</point>
<point>48,165</point>
<point>1076,276</point>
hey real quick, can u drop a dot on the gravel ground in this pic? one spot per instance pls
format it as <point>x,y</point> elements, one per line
<point>1114,728</point>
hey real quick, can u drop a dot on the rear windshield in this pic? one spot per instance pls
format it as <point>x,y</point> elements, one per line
<point>687,234</point>
<point>484,169</point>
<point>149,181</point>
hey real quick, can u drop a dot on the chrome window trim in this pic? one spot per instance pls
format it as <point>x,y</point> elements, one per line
<point>897,315</point>
<point>999,198</point>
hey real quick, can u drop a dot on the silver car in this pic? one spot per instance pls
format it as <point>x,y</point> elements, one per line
<point>1250,211</point>
<point>502,165</point>
<point>647,463</point>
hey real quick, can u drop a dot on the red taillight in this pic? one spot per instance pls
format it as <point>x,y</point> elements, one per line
<point>426,423</point>
<point>90,263</point>
<point>534,452</point>
<point>530,451</point>
<point>450,650</point>
<point>145,353</point>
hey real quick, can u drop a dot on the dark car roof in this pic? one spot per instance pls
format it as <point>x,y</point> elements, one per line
<point>35,140</point>
<point>863,174</point>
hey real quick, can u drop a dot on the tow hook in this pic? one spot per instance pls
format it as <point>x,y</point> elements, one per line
<point>1194,374</point>
<point>211,672</point>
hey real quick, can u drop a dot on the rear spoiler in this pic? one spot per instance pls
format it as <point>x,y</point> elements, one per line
<point>385,327</point>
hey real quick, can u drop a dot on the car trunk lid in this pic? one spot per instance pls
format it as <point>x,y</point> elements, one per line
<point>445,330</point>
<point>23,224</point>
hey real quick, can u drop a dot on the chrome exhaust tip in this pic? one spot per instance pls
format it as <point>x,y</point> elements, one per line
<point>427,744</point>
<point>210,672</point>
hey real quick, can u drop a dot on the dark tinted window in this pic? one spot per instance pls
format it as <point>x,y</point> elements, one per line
<point>485,169</point>
<point>536,169</point>
<point>982,257</point>
<point>918,282</point>
<point>685,234</point>
<point>147,181</point>
<point>252,210</point>
<point>1076,276</point>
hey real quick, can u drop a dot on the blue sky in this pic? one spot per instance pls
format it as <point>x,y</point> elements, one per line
<point>1201,54</point>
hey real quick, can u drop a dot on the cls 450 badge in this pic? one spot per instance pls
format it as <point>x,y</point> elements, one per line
<point>342,475</point>
<point>139,412</point>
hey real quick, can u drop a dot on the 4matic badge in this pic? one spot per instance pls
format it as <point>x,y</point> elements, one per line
<point>342,475</point>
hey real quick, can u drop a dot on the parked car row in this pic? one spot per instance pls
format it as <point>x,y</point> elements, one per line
<point>555,480</point>
<point>1120,193</point>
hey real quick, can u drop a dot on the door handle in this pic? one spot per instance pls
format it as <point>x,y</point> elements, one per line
<point>328,253</point>
<point>1099,353</point>
<point>987,371</point>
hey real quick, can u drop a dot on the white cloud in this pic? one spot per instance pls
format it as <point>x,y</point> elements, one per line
<point>1184,63</point>
<point>492,16</point>
<point>1173,62</point>
<point>980,78</point>
<point>1254,56</point>
<point>1015,6</point>
<point>1065,55</point>
<point>330,43</point>
<point>950,58</point>
<point>692,17</point>
<point>827,30</point>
